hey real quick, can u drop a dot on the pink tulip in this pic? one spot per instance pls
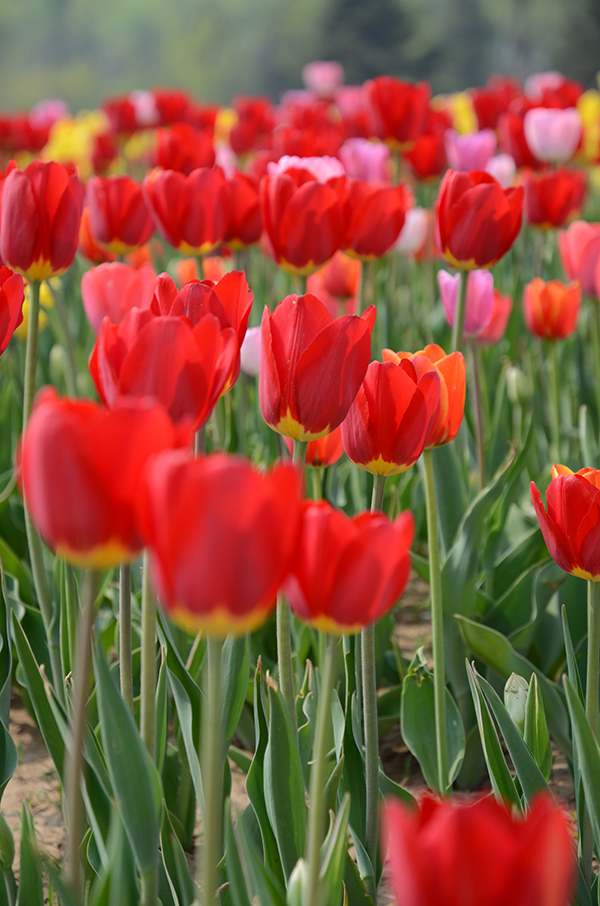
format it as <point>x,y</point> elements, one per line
<point>47,112</point>
<point>413,234</point>
<point>144,104</point>
<point>365,160</point>
<point>351,100</point>
<point>250,352</point>
<point>552,135</point>
<point>323,78</point>
<point>471,151</point>
<point>503,168</point>
<point>480,299</point>
<point>113,289</point>
<point>537,84</point>
<point>322,168</point>
<point>579,248</point>
<point>493,333</point>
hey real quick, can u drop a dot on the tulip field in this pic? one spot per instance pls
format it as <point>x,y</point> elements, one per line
<point>265,370</point>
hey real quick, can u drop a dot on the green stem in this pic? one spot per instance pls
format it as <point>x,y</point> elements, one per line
<point>148,667</point>
<point>591,709</point>
<point>371,728</point>
<point>67,339</point>
<point>479,426</point>
<point>36,554</point>
<point>81,677</point>
<point>149,885</point>
<point>360,292</point>
<point>212,773</point>
<point>299,455</point>
<point>125,661</point>
<point>318,775</point>
<point>300,284</point>
<point>459,315</point>
<point>317,483</point>
<point>437,621</point>
<point>284,661</point>
<point>595,337</point>
<point>554,402</point>
<point>200,441</point>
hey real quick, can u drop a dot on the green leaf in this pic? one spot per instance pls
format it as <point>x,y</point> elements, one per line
<point>60,884</point>
<point>450,495</point>
<point>134,777</point>
<point>266,887</point>
<point>536,736</point>
<point>31,889</point>
<point>235,661</point>
<point>496,652</point>
<point>161,713</point>
<point>530,777</point>
<point>588,755</point>
<point>389,787</point>
<point>5,653</point>
<point>238,886</point>
<point>285,796</point>
<point>187,727</point>
<point>332,786</point>
<point>355,891</point>
<point>38,695</point>
<point>417,720</point>
<point>239,758</point>
<point>175,863</point>
<point>335,848</point>
<point>502,783</point>
<point>9,758</point>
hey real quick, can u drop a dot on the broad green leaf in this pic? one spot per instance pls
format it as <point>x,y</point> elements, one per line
<point>355,892</point>
<point>9,758</point>
<point>417,720</point>
<point>238,886</point>
<point>389,787</point>
<point>500,777</point>
<point>333,855</point>
<point>31,890</point>
<point>161,713</point>
<point>190,741</point>
<point>450,494</point>
<point>235,663</point>
<point>134,777</point>
<point>530,777</point>
<point>60,884</point>
<point>266,887</point>
<point>588,755</point>
<point>38,695</point>
<point>255,783</point>
<point>285,797</point>
<point>239,758</point>
<point>177,667</point>
<point>332,786</point>
<point>496,652</point>
<point>536,736</point>
<point>175,863</point>
<point>5,652</point>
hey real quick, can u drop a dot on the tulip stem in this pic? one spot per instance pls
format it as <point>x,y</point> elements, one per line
<point>595,337</point>
<point>591,711</point>
<point>148,667</point>
<point>371,729</point>
<point>212,772</point>
<point>81,677</point>
<point>299,455</point>
<point>317,483</point>
<point>554,402</point>
<point>284,661</point>
<point>200,441</point>
<point>459,315</point>
<point>36,553</point>
<point>318,774</point>
<point>437,622</point>
<point>360,292</point>
<point>479,426</point>
<point>125,660</point>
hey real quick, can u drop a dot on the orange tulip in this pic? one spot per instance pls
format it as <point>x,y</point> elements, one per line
<point>551,309</point>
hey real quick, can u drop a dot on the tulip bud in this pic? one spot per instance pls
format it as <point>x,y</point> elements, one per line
<point>515,699</point>
<point>518,386</point>
<point>297,884</point>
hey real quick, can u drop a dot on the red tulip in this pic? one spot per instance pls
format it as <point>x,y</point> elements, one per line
<point>41,210</point>
<point>348,573</point>
<point>302,214</point>
<point>171,105</point>
<point>391,419</point>
<point>553,196</point>
<point>336,284</point>
<point>493,100</point>
<point>113,289</point>
<point>119,217</point>
<point>221,536</point>
<point>511,131</point>
<point>245,223</point>
<point>571,527</point>
<point>184,148</point>
<point>374,215</point>
<point>428,156</point>
<point>184,366</point>
<point>398,110</point>
<point>88,245</point>
<point>80,472</point>
<point>449,853</point>
<point>551,309</point>
<point>579,248</point>
<point>311,366</point>
<point>496,329</point>
<point>322,452</point>
<point>254,126</point>
<point>451,370</point>
<point>478,220</point>
<point>191,212</point>
<point>12,296</point>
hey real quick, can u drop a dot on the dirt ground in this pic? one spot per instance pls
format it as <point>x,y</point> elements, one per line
<point>36,782</point>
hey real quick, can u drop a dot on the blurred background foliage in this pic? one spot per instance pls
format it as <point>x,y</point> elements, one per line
<point>83,50</point>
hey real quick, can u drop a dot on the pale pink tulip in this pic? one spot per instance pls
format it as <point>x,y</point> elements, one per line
<point>537,84</point>
<point>552,135</point>
<point>579,248</point>
<point>323,77</point>
<point>413,234</point>
<point>250,352</point>
<point>47,112</point>
<point>503,168</point>
<point>113,289</point>
<point>480,299</point>
<point>470,151</point>
<point>365,160</point>
<point>322,168</point>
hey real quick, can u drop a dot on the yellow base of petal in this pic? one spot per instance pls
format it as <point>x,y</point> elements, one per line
<point>219,622</point>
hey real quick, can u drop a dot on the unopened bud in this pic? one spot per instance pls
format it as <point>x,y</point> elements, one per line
<point>297,884</point>
<point>518,386</point>
<point>515,699</point>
